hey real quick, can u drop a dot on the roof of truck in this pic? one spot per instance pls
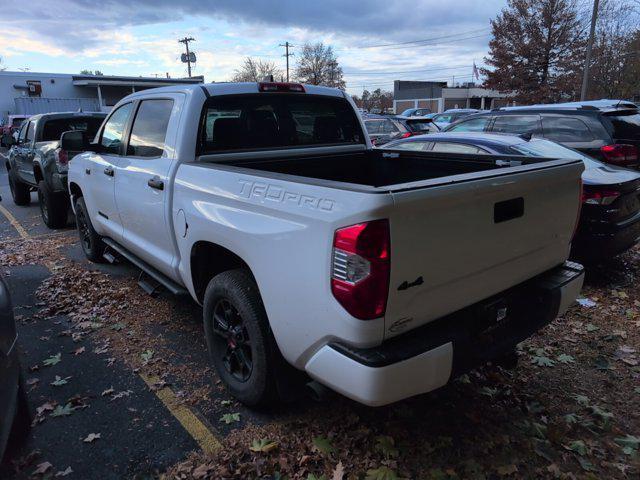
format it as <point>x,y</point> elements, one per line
<point>235,88</point>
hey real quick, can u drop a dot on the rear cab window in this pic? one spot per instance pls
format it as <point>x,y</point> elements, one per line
<point>272,120</point>
<point>54,128</point>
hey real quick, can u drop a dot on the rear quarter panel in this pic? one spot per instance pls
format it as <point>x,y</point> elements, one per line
<point>284,231</point>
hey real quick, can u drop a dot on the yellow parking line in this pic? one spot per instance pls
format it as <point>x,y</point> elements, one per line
<point>12,220</point>
<point>201,433</point>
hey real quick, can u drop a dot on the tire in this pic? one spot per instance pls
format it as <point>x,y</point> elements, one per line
<point>20,192</point>
<point>54,206</point>
<point>234,295</point>
<point>91,243</point>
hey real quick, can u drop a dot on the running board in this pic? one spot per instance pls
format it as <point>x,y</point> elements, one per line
<point>159,277</point>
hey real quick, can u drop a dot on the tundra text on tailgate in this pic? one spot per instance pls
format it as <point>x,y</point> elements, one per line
<point>381,275</point>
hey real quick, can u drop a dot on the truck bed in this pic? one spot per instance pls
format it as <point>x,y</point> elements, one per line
<point>373,168</point>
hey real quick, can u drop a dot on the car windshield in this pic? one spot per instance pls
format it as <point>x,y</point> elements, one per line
<point>53,129</point>
<point>538,147</point>
<point>419,125</point>
<point>626,125</point>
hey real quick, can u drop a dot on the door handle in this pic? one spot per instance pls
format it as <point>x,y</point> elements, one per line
<point>156,183</point>
<point>109,171</point>
<point>87,171</point>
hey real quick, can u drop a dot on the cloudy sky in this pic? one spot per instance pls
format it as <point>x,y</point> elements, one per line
<point>134,37</point>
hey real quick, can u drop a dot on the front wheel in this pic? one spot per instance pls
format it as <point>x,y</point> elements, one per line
<point>54,206</point>
<point>239,339</point>
<point>20,192</point>
<point>91,243</point>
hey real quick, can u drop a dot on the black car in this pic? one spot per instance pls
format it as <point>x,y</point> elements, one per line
<point>384,129</point>
<point>610,217</point>
<point>608,130</point>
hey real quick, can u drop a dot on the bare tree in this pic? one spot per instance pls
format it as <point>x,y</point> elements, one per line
<point>318,65</point>
<point>536,50</point>
<point>253,70</point>
<point>616,51</point>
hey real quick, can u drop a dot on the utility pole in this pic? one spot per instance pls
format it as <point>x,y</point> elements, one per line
<point>286,45</point>
<point>587,60</point>
<point>186,41</point>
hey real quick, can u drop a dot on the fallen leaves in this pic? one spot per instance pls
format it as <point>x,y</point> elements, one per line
<point>263,445</point>
<point>323,445</point>
<point>53,360</point>
<point>42,468</point>
<point>230,418</point>
<point>91,437</point>
<point>61,411</point>
<point>59,381</point>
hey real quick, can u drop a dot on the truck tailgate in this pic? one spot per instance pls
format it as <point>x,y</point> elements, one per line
<point>457,243</point>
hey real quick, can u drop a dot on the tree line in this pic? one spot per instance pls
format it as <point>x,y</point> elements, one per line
<point>538,48</point>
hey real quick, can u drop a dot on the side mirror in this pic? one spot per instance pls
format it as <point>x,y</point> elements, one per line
<point>73,141</point>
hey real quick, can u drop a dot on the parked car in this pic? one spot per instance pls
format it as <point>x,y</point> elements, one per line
<point>415,112</point>
<point>610,216</point>
<point>384,129</point>
<point>15,417</point>
<point>14,122</point>
<point>608,130</point>
<point>312,252</point>
<point>452,115</point>
<point>418,125</point>
<point>38,163</point>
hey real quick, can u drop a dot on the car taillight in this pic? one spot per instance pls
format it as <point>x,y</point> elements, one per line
<point>405,135</point>
<point>599,197</point>
<point>620,153</point>
<point>360,268</point>
<point>280,87</point>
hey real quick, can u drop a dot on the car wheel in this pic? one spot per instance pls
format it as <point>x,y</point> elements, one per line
<point>91,243</point>
<point>53,206</point>
<point>239,339</point>
<point>20,192</point>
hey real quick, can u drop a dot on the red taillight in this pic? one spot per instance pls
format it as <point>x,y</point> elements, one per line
<point>360,268</point>
<point>599,197</point>
<point>620,153</point>
<point>280,87</point>
<point>62,157</point>
<point>405,135</point>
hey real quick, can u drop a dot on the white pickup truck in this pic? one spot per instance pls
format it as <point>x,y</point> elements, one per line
<point>381,274</point>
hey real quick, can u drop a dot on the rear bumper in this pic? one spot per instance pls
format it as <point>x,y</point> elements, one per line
<point>427,357</point>
<point>595,242</point>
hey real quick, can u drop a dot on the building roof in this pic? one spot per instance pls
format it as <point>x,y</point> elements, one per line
<point>117,80</point>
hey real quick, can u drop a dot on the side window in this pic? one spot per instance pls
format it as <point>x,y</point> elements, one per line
<point>23,132</point>
<point>471,125</point>
<point>150,128</point>
<point>413,146</point>
<point>374,126</point>
<point>565,129</point>
<point>450,147</point>
<point>31,132</point>
<point>111,137</point>
<point>517,124</point>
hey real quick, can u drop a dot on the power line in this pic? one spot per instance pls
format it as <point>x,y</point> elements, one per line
<point>380,72</point>
<point>186,41</point>
<point>287,45</point>
<point>425,39</point>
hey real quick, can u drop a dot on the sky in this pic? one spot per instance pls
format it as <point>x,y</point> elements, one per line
<point>132,37</point>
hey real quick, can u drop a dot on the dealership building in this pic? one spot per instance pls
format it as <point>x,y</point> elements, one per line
<point>438,97</point>
<point>28,93</point>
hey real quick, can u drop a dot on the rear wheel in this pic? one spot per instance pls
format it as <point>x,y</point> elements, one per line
<point>20,192</point>
<point>53,206</point>
<point>239,338</point>
<point>91,243</point>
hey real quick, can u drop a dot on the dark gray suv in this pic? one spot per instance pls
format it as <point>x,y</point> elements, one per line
<point>608,130</point>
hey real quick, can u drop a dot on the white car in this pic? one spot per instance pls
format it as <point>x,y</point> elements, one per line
<point>380,274</point>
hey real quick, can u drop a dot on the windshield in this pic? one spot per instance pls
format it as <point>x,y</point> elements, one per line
<point>277,121</point>
<point>626,126</point>
<point>538,147</point>
<point>419,125</point>
<point>54,128</point>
